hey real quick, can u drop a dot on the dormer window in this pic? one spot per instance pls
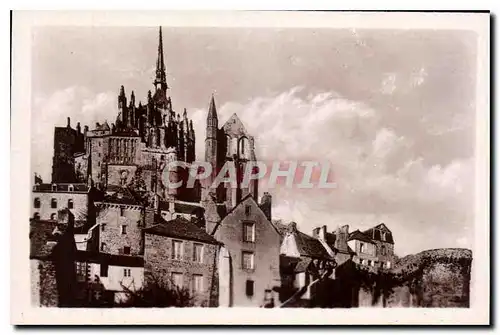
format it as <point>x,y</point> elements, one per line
<point>71,188</point>
<point>54,187</point>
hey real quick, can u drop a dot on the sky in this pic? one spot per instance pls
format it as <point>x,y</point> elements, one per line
<point>393,111</point>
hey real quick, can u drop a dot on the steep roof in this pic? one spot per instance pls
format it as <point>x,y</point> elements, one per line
<point>374,233</point>
<point>357,235</point>
<point>310,246</point>
<point>182,229</point>
<point>330,240</point>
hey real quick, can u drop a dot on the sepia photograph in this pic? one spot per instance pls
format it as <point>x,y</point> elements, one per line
<point>245,161</point>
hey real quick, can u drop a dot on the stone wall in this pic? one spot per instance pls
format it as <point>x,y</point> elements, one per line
<point>159,263</point>
<point>79,210</point>
<point>110,218</point>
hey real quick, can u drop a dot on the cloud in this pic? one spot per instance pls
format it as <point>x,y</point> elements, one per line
<point>381,175</point>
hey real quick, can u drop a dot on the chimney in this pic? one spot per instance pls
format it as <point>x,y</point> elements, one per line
<point>315,232</point>
<point>69,122</point>
<point>322,233</point>
<point>266,204</point>
<point>78,128</point>
<point>85,130</point>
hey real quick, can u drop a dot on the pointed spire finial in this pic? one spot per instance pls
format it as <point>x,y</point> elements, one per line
<point>212,110</point>
<point>161,78</point>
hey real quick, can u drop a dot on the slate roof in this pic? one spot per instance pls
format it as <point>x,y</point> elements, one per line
<point>310,246</point>
<point>357,235</point>
<point>185,208</point>
<point>330,240</point>
<point>123,196</point>
<point>374,234</point>
<point>182,229</point>
<point>280,227</point>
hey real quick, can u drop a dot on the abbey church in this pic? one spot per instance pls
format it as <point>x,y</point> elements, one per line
<point>108,199</point>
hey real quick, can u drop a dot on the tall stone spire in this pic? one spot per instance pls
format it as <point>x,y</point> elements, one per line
<point>161,78</point>
<point>211,141</point>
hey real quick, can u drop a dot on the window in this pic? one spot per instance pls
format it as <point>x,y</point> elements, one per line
<point>247,210</point>
<point>197,283</point>
<point>98,164</point>
<point>177,250</point>
<point>104,270</point>
<point>383,235</point>
<point>70,188</point>
<point>81,271</point>
<point>126,273</point>
<point>126,250</point>
<point>36,203</point>
<point>70,203</point>
<point>382,250</point>
<point>54,187</point>
<point>362,247</point>
<point>249,288</point>
<point>103,246</point>
<point>248,232</point>
<point>36,216</point>
<point>177,279</point>
<point>53,203</point>
<point>248,260</point>
<point>122,211</point>
<point>103,226</point>
<point>124,229</point>
<point>53,216</point>
<point>198,253</point>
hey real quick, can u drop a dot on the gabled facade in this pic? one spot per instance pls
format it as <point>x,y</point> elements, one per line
<point>249,263</point>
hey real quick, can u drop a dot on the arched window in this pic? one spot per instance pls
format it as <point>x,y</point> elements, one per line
<point>36,216</point>
<point>70,203</point>
<point>243,147</point>
<point>53,216</point>
<point>36,203</point>
<point>53,203</point>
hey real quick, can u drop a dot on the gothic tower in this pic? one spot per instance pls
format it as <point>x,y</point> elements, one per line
<point>211,140</point>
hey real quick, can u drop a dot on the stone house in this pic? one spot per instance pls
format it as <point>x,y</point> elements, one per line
<point>119,224</point>
<point>183,255</point>
<point>374,247</point>
<point>249,272</point>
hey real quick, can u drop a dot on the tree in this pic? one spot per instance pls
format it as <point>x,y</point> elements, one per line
<point>158,292</point>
